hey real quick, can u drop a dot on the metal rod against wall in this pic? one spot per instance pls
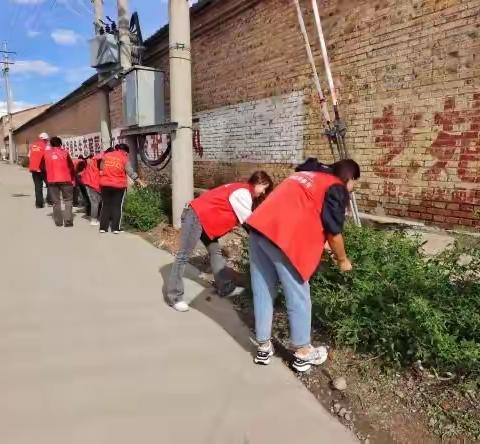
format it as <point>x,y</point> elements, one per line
<point>323,103</point>
<point>323,47</point>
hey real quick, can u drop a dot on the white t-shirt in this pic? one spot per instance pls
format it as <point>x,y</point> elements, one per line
<point>241,201</point>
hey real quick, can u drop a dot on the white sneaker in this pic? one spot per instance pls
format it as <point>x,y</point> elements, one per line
<point>316,356</point>
<point>264,353</point>
<point>117,232</point>
<point>181,306</point>
<point>94,223</point>
<point>102,231</point>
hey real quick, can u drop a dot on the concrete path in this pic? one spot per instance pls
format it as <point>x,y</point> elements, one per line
<point>90,354</point>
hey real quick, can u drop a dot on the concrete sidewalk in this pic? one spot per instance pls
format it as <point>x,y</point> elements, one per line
<point>90,353</point>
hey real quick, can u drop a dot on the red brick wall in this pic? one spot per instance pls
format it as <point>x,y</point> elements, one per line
<point>408,77</point>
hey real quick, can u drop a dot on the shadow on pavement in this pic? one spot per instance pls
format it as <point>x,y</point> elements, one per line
<point>219,310</point>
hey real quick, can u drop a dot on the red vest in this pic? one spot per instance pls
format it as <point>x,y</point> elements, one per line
<point>56,163</point>
<point>214,211</point>
<point>113,172</point>
<point>36,153</point>
<point>91,174</point>
<point>291,218</point>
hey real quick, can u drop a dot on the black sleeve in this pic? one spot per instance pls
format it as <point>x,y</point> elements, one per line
<point>334,207</point>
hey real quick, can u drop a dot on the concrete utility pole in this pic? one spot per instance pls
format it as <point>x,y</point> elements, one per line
<point>124,34</point>
<point>181,106</point>
<point>9,100</point>
<point>105,126</point>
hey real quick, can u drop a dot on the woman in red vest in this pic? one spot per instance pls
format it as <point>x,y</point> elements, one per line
<point>209,217</point>
<point>60,173</point>
<point>114,169</point>
<point>287,239</point>
<point>91,180</point>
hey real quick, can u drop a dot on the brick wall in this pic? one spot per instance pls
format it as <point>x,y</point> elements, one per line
<point>77,117</point>
<point>408,78</point>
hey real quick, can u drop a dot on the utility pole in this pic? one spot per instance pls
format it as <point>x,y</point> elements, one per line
<point>124,34</point>
<point>8,99</point>
<point>105,126</point>
<point>181,106</point>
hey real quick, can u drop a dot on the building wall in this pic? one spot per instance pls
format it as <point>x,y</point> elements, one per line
<point>75,118</point>
<point>18,119</point>
<point>408,77</point>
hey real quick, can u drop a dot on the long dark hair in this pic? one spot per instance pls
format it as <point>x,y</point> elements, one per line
<point>257,178</point>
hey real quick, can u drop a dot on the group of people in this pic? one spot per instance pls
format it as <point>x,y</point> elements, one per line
<point>288,228</point>
<point>102,179</point>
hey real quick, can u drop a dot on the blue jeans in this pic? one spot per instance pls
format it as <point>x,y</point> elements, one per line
<point>269,267</point>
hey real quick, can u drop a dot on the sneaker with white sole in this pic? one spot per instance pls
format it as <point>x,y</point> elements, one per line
<point>264,353</point>
<point>181,306</point>
<point>94,223</point>
<point>102,231</point>
<point>316,356</point>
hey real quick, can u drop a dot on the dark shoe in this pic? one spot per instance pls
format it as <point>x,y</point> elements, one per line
<point>39,206</point>
<point>68,224</point>
<point>58,225</point>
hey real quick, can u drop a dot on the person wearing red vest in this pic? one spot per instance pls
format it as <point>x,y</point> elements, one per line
<point>207,218</point>
<point>287,239</point>
<point>91,180</point>
<point>60,173</point>
<point>36,151</point>
<point>114,169</point>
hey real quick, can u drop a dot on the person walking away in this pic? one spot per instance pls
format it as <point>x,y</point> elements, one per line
<point>80,166</point>
<point>114,169</point>
<point>287,239</point>
<point>60,173</point>
<point>91,181</point>
<point>207,218</point>
<point>36,151</point>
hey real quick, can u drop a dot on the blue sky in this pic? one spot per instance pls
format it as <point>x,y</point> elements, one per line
<point>50,38</point>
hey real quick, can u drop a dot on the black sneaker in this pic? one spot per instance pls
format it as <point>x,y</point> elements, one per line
<point>264,353</point>
<point>68,224</point>
<point>317,356</point>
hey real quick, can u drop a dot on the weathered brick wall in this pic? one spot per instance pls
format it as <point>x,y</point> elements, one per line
<point>408,79</point>
<point>75,118</point>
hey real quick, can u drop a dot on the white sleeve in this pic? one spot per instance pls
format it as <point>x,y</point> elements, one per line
<point>241,202</point>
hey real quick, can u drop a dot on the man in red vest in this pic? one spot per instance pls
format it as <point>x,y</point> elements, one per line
<point>287,239</point>
<point>60,173</point>
<point>209,217</point>
<point>36,151</point>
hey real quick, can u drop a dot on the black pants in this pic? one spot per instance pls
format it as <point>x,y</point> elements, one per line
<point>86,199</point>
<point>112,202</point>
<point>59,191</point>
<point>38,181</point>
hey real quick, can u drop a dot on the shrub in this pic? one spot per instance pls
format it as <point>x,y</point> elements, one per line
<point>401,305</point>
<point>24,162</point>
<point>145,208</point>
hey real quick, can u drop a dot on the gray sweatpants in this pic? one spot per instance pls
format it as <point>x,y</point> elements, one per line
<point>57,192</point>
<point>95,199</point>
<point>191,233</point>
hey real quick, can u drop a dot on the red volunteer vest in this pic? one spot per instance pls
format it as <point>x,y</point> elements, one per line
<point>91,174</point>
<point>113,172</point>
<point>291,218</point>
<point>37,151</point>
<point>214,210</point>
<point>56,164</point>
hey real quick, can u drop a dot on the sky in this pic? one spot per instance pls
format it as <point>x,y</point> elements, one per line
<point>50,39</point>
